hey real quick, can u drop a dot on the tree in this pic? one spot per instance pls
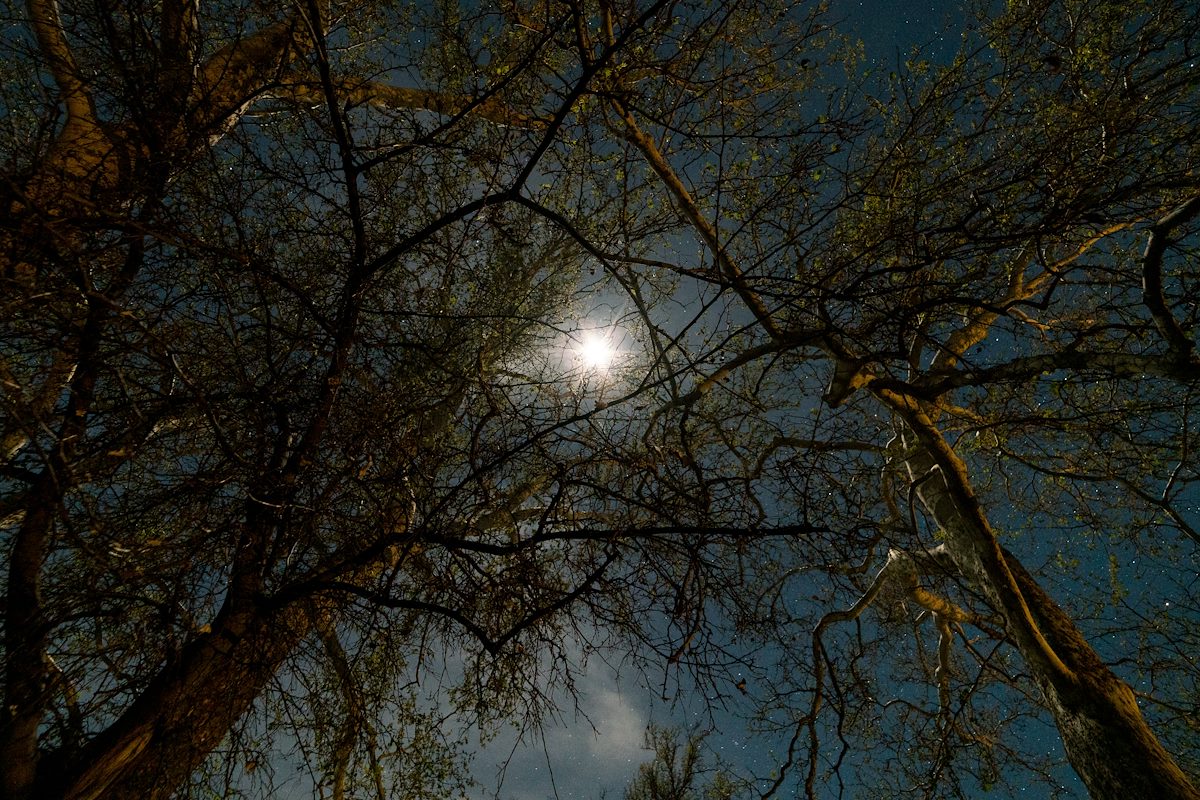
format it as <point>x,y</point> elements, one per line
<point>265,315</point>
<point>966,282</point>
<point>674,770</point>
<point>287,405</point>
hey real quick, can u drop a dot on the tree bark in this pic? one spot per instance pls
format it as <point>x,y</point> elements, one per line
<point>1108,742</point>
<point>165,736</point>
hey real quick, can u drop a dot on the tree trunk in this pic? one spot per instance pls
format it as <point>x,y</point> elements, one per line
<point>1106,739</point>
<point>164,737</point>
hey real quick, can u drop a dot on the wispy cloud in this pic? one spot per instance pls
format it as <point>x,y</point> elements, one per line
<point>589,754</point>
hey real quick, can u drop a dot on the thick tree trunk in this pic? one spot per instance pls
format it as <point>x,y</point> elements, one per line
<point>164,737</point>
<point>1106,739</point>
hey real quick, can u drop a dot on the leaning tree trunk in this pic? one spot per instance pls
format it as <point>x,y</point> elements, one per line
<point>166,735</point>
<point>1106,739</point>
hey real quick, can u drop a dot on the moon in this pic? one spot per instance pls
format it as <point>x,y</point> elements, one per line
<point>595,351</point>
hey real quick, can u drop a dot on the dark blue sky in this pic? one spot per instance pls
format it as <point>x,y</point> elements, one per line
<point>889,30</point>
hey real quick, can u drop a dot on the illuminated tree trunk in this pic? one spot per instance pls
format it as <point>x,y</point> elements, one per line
<point>1106,739</point>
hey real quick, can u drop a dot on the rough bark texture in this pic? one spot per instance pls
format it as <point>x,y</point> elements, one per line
<point>1107,741</point>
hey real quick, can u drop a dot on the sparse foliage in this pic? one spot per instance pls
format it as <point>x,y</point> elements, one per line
<point>677,770</point>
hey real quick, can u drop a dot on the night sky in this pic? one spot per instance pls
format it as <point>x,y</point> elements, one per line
<point>577,757</point>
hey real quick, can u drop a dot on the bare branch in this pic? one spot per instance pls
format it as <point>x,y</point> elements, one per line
<point>897,562</point>
<point>357,719</point>
<point>355,92</point>
<point>1117,364</point>
<point>942,673</point>
<point>490,644</point>
<point>1179,344</point>
<point>692,214</point>
<point>956,508</point>
<point>179,26</point>
<point>242,72</point>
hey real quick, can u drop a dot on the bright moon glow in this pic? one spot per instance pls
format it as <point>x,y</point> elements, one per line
<point>595,351</point>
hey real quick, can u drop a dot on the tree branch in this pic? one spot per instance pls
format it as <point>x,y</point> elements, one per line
<point>609,534</point>
<point>491,644</point>
<point>1122,365</point>
<point>691,213</point>
<point>242,72</point>
<point>356,711</point>
<point>178,28</point>
<point>52,40</point>
<point>1180,346</point>
<point>956,509</point>
<point>381,95</point>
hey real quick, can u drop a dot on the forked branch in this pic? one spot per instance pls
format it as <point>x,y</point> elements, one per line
<point>899,575</point>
